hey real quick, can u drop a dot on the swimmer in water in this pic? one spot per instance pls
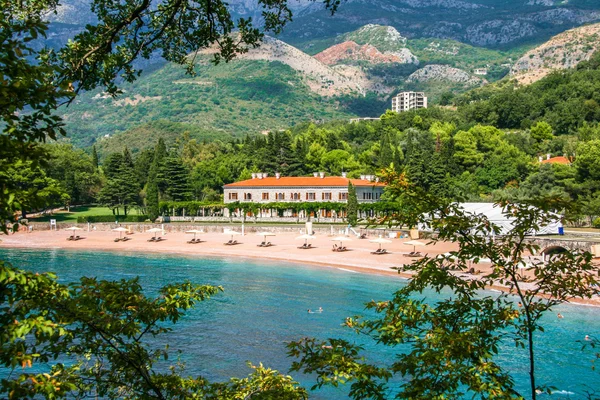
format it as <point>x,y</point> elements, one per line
<point>320,309</point>
<point>559,315</point>
<point>310,312</point>
<point>587,338</point>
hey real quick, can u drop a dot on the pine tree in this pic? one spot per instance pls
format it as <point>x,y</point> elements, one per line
<point>127,158</point>
<point>352,207</point>
<point>121,189</point>
<point>176,177</point>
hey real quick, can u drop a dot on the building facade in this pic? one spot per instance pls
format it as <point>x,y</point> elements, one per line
<point>406,101</point>
<point>318,188</point>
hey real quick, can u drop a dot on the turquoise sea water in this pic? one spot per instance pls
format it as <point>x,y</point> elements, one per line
<point>265,305</point>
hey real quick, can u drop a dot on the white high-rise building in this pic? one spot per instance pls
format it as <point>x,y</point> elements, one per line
<point>406,101</point>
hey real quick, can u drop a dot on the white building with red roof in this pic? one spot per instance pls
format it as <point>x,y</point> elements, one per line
<point>263,188</point>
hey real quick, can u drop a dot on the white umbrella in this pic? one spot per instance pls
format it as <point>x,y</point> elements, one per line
<point>341,239</point>
<point>194,231</point>
<point>73,229</point>
<point>380,241</point>
<point>306,237</point>
<point>265,234</point>
<point>414,244</point>
<point>154,231</point>
<point>232,233</point>
<point>448,256</point>
<point>120,230</point>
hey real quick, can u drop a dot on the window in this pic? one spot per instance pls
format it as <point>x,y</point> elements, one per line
<point>310,196</point>
<point>295,196</point>
<point>344,196</point>
<point>367,196</point>
<point>279,196</point>
<point>247,196</point>
<point>326,196</point>
<point>233,196</point>
<point>265,196</point>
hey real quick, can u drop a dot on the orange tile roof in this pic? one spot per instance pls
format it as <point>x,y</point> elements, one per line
<point>302,181</point>
<point>557,160</point>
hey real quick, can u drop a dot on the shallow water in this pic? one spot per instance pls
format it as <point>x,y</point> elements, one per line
<point>264,306</point>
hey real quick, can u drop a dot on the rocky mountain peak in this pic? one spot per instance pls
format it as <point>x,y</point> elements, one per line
<point>564,50</point>
<point>351,50</point>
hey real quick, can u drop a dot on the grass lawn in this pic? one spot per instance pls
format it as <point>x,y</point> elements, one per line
<point>64,216</point>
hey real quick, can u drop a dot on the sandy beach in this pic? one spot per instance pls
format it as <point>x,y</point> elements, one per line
<point>358,258</point>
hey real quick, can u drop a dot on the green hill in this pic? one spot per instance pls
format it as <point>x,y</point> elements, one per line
<point>237,98</point>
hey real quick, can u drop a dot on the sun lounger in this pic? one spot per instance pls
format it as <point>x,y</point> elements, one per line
<point>363,236</point>
<point>262,244</point>
<point>380,251</point>
<point>268,244</point>
<point>231,243</point>
<point>151,239</point>
<point>117,239</point>
<point>306,246</point>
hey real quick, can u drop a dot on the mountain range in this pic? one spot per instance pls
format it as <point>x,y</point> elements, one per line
<point>321,68</point>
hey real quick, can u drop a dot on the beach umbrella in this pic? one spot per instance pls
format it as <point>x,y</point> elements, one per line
<point>120,230</point>
<point>380,241</point>
<point>232,233</point>
<point>306,237</point>
<point>73,229</point>
<point>265,234</point>
<point>414,244</point>
<point>194,231</point>
<point>154,231</point>
<point>341,239</point>
<point>448,256</point>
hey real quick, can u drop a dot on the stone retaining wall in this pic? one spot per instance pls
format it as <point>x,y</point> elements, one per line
<point>220,227</point>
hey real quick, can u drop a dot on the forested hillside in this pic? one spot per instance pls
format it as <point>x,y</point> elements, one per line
<point>488,148</point>
<point>235,98</point>
<point>564,99</point>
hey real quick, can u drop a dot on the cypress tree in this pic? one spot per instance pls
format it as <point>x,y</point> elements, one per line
<point>95,157</point>
<point>386,154</point>
<point>352,207</point>
<point>160,151</point>
<point>152,192</point>
<point>152,187</point>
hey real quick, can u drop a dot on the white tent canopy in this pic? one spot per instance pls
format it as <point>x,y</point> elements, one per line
<point>494,214</point>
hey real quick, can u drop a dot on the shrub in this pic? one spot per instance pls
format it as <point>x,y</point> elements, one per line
<point>111,218</point>
<point>596,223</point>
